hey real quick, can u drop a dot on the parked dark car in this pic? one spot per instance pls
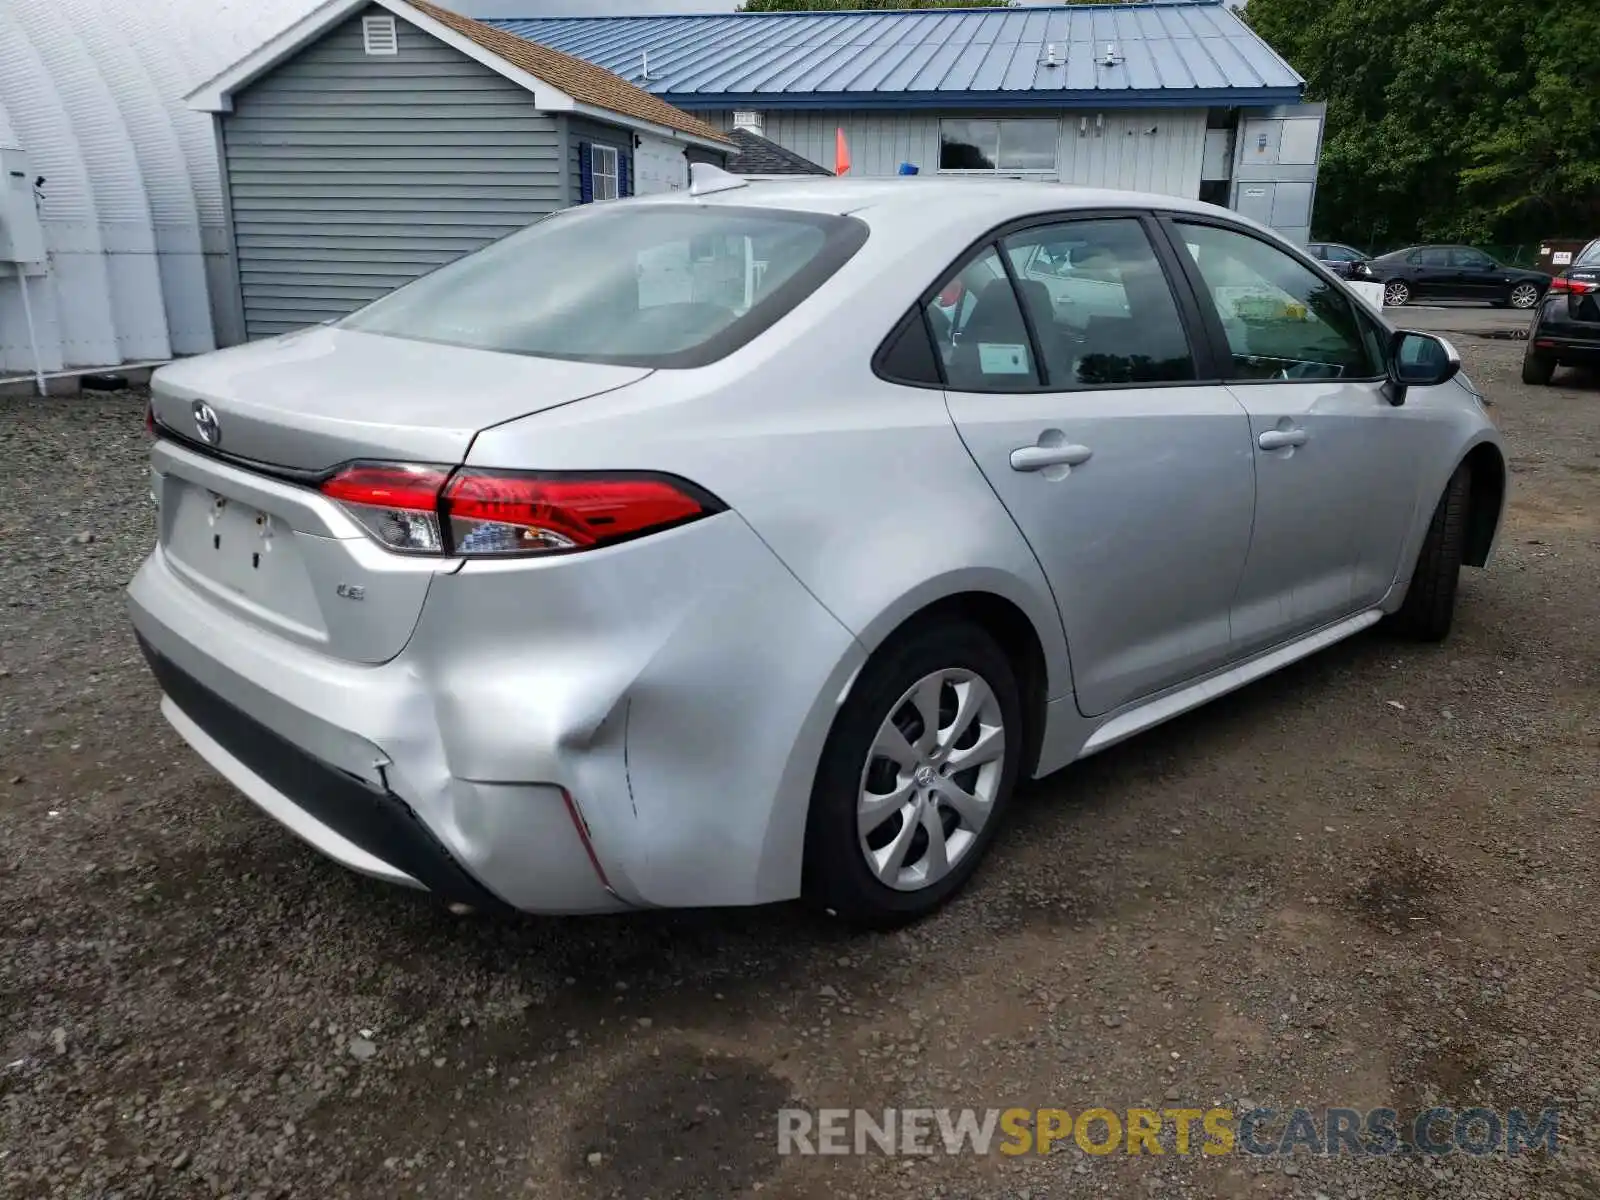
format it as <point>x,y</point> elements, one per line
<point>1344,261</point>
<point>1566,329</point>
<point>1455,273</point>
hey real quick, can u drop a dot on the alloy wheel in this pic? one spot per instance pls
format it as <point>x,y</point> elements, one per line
<point>1524,295</point>
<point>1395,294</point>
<point>931,779</point>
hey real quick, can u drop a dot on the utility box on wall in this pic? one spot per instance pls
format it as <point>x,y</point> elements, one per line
<point>1275,167</point>
<point>21,237</point>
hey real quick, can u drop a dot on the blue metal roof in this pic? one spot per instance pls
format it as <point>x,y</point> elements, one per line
<point>1170,52</point>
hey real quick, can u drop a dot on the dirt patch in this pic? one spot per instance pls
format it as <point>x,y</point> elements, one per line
<point>1403,891</point>
<point>682,1126</point>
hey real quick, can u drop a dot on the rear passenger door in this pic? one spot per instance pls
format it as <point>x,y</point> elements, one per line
<point>1334,494</point>
<point>1072,377</point>
<point>1432,273</point>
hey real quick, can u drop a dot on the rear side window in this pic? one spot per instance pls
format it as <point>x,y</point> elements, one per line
<point>1438,256</point>
<point>1100,304</point>
<point>645,286</point>
<point>979,332</point>
<point>1282,320</point>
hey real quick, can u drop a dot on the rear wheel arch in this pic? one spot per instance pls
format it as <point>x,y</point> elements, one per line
<point>982,637</point>
<point>1486,502</point>
<point>1015,634</point>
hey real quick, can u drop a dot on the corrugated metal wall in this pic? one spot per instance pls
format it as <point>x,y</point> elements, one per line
<point>350,174</point>
<point>1157,150</point>
<point>92,92</point>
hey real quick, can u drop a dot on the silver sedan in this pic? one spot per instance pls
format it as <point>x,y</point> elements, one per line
<point>753,542</point>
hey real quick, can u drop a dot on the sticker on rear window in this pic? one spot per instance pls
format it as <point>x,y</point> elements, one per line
<point>1003,358</point>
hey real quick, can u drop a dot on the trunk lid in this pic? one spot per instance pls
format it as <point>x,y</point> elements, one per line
<point>1584,306</point>
<point>313,399</point>
<point>251,533</point>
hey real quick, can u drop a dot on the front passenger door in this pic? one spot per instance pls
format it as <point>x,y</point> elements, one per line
<point>1477,275</point>
<point>1330,497</point>
<point>1072,380</point>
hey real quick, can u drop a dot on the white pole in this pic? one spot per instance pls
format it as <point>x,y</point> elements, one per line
<point>33,340</point>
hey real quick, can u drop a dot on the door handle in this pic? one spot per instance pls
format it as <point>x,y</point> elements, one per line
<point>1037,458</point>
<point>1282,439</point>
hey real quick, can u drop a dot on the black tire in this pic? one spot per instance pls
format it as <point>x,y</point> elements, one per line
<point>1537,369</point>
<point>1402,290</point>
<point>837,878</point>
<point>1430,604</point>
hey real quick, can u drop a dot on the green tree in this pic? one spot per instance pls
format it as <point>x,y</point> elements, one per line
<point>1471,120</point>
<point>843,5</point>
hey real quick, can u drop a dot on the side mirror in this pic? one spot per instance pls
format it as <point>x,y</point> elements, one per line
<point>1419,360</point>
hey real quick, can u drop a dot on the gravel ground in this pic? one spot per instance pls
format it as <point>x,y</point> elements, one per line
<point>1369,880</point>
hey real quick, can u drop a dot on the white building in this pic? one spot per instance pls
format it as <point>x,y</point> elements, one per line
<point>130,202</point>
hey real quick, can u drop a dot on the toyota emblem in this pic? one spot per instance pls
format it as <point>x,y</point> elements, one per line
<point>206,423</point>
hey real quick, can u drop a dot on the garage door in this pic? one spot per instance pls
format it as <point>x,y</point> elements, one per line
<point>659,166</point>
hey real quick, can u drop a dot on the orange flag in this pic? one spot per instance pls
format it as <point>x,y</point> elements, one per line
<point>841,155</point>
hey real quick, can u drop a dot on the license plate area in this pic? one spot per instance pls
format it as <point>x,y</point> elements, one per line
<point>240,553</point>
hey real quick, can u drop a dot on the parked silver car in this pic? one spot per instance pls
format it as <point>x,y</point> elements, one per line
<point>727,546</point>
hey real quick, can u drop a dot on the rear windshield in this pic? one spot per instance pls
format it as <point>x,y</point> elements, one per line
<point>635,285</point>
<point>1590,255</point>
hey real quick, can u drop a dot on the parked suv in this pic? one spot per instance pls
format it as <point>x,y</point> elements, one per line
<point>1566,329</point>
<point>1455,273</point>
<point>1344,261</point>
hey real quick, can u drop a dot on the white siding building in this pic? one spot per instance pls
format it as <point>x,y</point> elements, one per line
<point>1169,96</point>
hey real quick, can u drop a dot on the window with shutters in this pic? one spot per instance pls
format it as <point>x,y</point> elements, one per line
<point>606,173</point>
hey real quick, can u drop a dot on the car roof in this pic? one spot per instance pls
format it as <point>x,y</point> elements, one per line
<point>904,196</point>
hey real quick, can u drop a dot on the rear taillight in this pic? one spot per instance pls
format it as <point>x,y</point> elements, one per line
<point>395,503</point>
<point>426,510</point>
<point>150,418</point>
<point>1576,287</point>
<point>507,513</point>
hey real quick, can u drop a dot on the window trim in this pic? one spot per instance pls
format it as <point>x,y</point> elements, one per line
<point>1202,348</point>
<point>1217,336</point>
<point>597,149</point>
<point>997,169</point>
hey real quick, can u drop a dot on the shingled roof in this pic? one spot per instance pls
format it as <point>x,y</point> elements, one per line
<point>581,80</point>
<point>760,156</point>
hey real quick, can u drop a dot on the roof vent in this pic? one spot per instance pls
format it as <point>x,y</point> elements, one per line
<point>378,35</point>
<point>1111,58</point>
<point>1051,57</point>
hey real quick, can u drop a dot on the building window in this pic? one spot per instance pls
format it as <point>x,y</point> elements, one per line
<point>1010,146</point>
<point>606,174</point>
